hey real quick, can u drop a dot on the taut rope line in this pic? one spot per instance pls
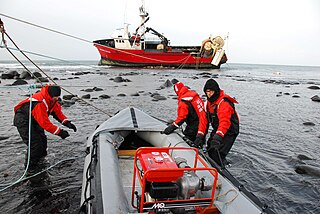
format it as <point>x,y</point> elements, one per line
<point>4,32</point>
<point>41,55</point>
<point>29,59</point>
<point>45,28</point>
<point>183,61</point>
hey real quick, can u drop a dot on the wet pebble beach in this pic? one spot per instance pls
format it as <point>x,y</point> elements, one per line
<point>276,155</point>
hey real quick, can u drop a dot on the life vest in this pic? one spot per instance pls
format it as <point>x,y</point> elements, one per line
<point>191,110</point>
<point>222,115</point>
<point>42,107</point>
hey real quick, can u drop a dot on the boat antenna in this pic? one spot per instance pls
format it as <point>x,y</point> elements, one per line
<point>125,12</point>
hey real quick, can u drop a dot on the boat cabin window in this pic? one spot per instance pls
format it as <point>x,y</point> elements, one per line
<point>119,40</point>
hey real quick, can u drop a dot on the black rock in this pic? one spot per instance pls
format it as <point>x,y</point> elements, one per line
<point>25,75</point>
<point>308,170</point>
<point>20,82</point>
<point>205,73</point>
<point>42,79</point>
<point>104,96</point>
<point>88,90</point>
<point>159,97</point>
<point>68,103</point>
<point>315,98</point>
<point>303,157</point>
<point>314,87</point>
<point>37,74</point>
<point>86,96</point>
<point>309,124</point>
<point>206,76</point>
<point>10,75</point>
<point>5,76</point>
<point>118,79</point>
<point>68,96</point>
<point>167,84</point>
<point>155,94</point>
<point>97,89</point>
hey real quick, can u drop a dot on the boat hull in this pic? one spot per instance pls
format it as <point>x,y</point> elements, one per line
<point>155,58</point>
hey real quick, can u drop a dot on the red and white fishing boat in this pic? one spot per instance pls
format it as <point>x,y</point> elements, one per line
<point>140,50</point>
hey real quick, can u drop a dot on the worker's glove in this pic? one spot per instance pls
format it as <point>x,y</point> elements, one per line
<point>199,141</point>
<point>63,134</point>
<point>169,129</point>
<point>70,126</point>
<point>215,142</point>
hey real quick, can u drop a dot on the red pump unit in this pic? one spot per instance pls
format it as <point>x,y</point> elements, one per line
<point>167,187</point>
<point>159,160</point>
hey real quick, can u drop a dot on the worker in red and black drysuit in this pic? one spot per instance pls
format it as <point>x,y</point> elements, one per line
<point>191,111</point>
<point>224,120</point>
<point>44,103</point>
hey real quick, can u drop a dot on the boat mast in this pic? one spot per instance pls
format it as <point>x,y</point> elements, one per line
<point>143,14</point>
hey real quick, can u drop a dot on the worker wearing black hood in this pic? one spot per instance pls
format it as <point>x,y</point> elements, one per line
<point>43,104</point>
<point>224,120</point>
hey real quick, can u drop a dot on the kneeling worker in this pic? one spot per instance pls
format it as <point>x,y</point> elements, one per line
<point>191,111</point>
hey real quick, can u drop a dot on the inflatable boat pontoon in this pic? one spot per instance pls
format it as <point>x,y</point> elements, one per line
<point>131,167</point>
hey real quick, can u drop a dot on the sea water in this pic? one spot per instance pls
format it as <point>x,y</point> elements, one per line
<point>275,108</point>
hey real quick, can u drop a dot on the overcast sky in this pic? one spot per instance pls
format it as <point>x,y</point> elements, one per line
<point>283,32</point>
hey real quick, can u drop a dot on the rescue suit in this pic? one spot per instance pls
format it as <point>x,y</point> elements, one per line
<point>191,111</point>
<point>42,106</point>
<point>224,120</point>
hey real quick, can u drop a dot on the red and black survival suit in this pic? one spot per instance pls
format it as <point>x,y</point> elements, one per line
<point>224,120</point>
<point>191,111</point>
<point>42,106</point>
